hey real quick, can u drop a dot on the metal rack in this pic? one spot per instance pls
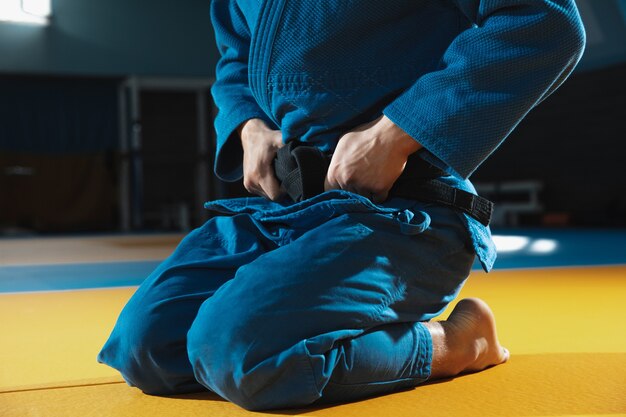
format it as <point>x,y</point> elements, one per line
<point>130,135</point>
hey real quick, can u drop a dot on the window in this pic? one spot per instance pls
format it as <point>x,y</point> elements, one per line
<point>25,11</point>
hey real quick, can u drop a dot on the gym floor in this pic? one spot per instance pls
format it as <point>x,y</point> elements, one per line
<point>558,296</point>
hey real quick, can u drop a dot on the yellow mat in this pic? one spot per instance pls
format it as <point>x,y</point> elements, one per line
<point>565,329</point>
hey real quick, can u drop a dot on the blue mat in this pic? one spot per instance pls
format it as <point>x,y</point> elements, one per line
<point>73,276</point>
<point>545,248</point>
<point>517,249</point>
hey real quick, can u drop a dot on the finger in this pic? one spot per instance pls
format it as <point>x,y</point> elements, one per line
<point>252,186</point>
<point>271,187</point>
<point>330,184</point>
<point>249,186</point>
<point>258,191</point>
<point>327,185</point>
<point>275,195</point>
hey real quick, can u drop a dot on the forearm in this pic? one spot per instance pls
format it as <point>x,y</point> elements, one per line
<point>395,138</point>
<point>249,127</point>
<point>231,92</point>
<point>516,53</point>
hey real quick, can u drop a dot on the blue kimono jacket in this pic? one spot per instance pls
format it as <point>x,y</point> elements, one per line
<point>456,75</point>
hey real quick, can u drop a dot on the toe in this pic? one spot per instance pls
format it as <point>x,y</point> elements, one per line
<point>505,355</point>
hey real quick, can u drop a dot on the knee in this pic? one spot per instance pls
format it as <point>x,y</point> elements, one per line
<point>248,366</point>
<point>138,349</point>
<point>218,361</point>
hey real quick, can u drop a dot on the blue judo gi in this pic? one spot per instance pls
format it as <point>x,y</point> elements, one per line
<point>281,304</point>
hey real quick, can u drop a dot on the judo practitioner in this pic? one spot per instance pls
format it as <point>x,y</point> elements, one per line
<point>279,303</point>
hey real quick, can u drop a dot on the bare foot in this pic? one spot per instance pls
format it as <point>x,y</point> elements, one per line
<point>467,341</point>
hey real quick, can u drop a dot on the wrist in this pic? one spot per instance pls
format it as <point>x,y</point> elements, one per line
<point>400,140</point>
<point>249,126</point>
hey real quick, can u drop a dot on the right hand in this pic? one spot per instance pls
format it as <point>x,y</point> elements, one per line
<point>260,144</point>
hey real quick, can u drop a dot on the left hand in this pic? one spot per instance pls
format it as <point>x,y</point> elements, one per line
<point>370,158</point>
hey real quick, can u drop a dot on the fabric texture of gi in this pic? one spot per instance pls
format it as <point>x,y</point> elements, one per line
<point>281,304</point>
<point>456,75</point>
<point>271,308</point>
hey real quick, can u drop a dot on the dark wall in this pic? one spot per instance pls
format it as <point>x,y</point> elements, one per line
<point>169,154</point>
<point>175,38</point>
<point>572,142</point>
<point>57,141</point>
<point>575,143</point>
<point>59,115</point>
<point>113,37</point>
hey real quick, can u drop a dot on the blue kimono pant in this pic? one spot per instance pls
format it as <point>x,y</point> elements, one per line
<point>283,306</point>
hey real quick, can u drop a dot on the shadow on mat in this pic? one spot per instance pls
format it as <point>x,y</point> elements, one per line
<point>205,395</point>
<point>527,385</point>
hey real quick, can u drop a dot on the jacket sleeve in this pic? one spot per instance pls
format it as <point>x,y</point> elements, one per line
<point>515,54</point>
<point>231,92</point>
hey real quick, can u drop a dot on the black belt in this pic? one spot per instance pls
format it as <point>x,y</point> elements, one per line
<point>302,169</point>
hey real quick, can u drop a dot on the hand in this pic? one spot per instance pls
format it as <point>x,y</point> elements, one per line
<point>370,158</point>
<point>260,144</point>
